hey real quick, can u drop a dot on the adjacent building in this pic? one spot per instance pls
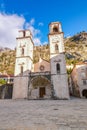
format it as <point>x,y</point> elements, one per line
<point>79,80</point>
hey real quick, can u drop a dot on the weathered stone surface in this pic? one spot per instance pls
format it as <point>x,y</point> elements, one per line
<point>43,114</point>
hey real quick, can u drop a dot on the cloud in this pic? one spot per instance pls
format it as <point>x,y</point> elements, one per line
<point>45,43</point>
<point>10,24</point>
<point>37,41</point>
<point>32,21</point>
<point>68,35</point>
<point>30,25</point>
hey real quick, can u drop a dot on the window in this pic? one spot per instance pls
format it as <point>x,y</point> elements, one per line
<point>58,68</point>
<point>84,82</point>
<point>21,69</point>
<point>42,68</point>
<point>56,47</point>
<point>83,74</point>
<point>11,80</point>
<point>22,51</point>
<point>23,33</point>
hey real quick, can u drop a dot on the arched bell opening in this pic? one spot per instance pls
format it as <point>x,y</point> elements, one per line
<point>55,29</point>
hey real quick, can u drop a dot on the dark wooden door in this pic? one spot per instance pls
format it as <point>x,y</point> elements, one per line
<point>42,92</point>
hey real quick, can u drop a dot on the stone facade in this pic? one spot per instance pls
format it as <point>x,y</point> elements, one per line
<point>42,63</point>
<point>43,79</point>
<point>79,80</point>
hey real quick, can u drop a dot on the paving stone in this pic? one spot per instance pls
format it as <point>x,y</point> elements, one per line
<point>43,114</point>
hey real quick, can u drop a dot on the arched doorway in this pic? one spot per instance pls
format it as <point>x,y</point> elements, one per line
<point>40,88</point>
<point>84,93</point>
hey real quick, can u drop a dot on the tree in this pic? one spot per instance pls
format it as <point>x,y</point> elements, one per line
<point>2,81</point>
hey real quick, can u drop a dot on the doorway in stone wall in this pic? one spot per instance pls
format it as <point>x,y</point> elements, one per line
<point>40,88</point>
<point>42,92</point>
<point>84,93</point>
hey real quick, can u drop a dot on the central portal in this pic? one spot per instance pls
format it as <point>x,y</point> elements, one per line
<point>40,88</point>
<point>42,92</point>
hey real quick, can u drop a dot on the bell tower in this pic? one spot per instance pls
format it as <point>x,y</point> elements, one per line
<point>57,61</point>
<point>23,64</point>
<point>24,52</point>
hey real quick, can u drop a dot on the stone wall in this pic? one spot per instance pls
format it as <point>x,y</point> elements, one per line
<point>6,91</point>
<point>20,88</point>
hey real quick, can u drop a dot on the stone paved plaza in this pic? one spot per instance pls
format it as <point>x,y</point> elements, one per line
<point>43,114</point>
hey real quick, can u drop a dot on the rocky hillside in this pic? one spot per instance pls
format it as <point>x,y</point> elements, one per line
<point>75,50</point>
<point>7,61</point>
<point>41,51</point>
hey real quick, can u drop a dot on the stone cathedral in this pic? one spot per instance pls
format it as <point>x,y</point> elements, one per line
<point>43,80</point>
